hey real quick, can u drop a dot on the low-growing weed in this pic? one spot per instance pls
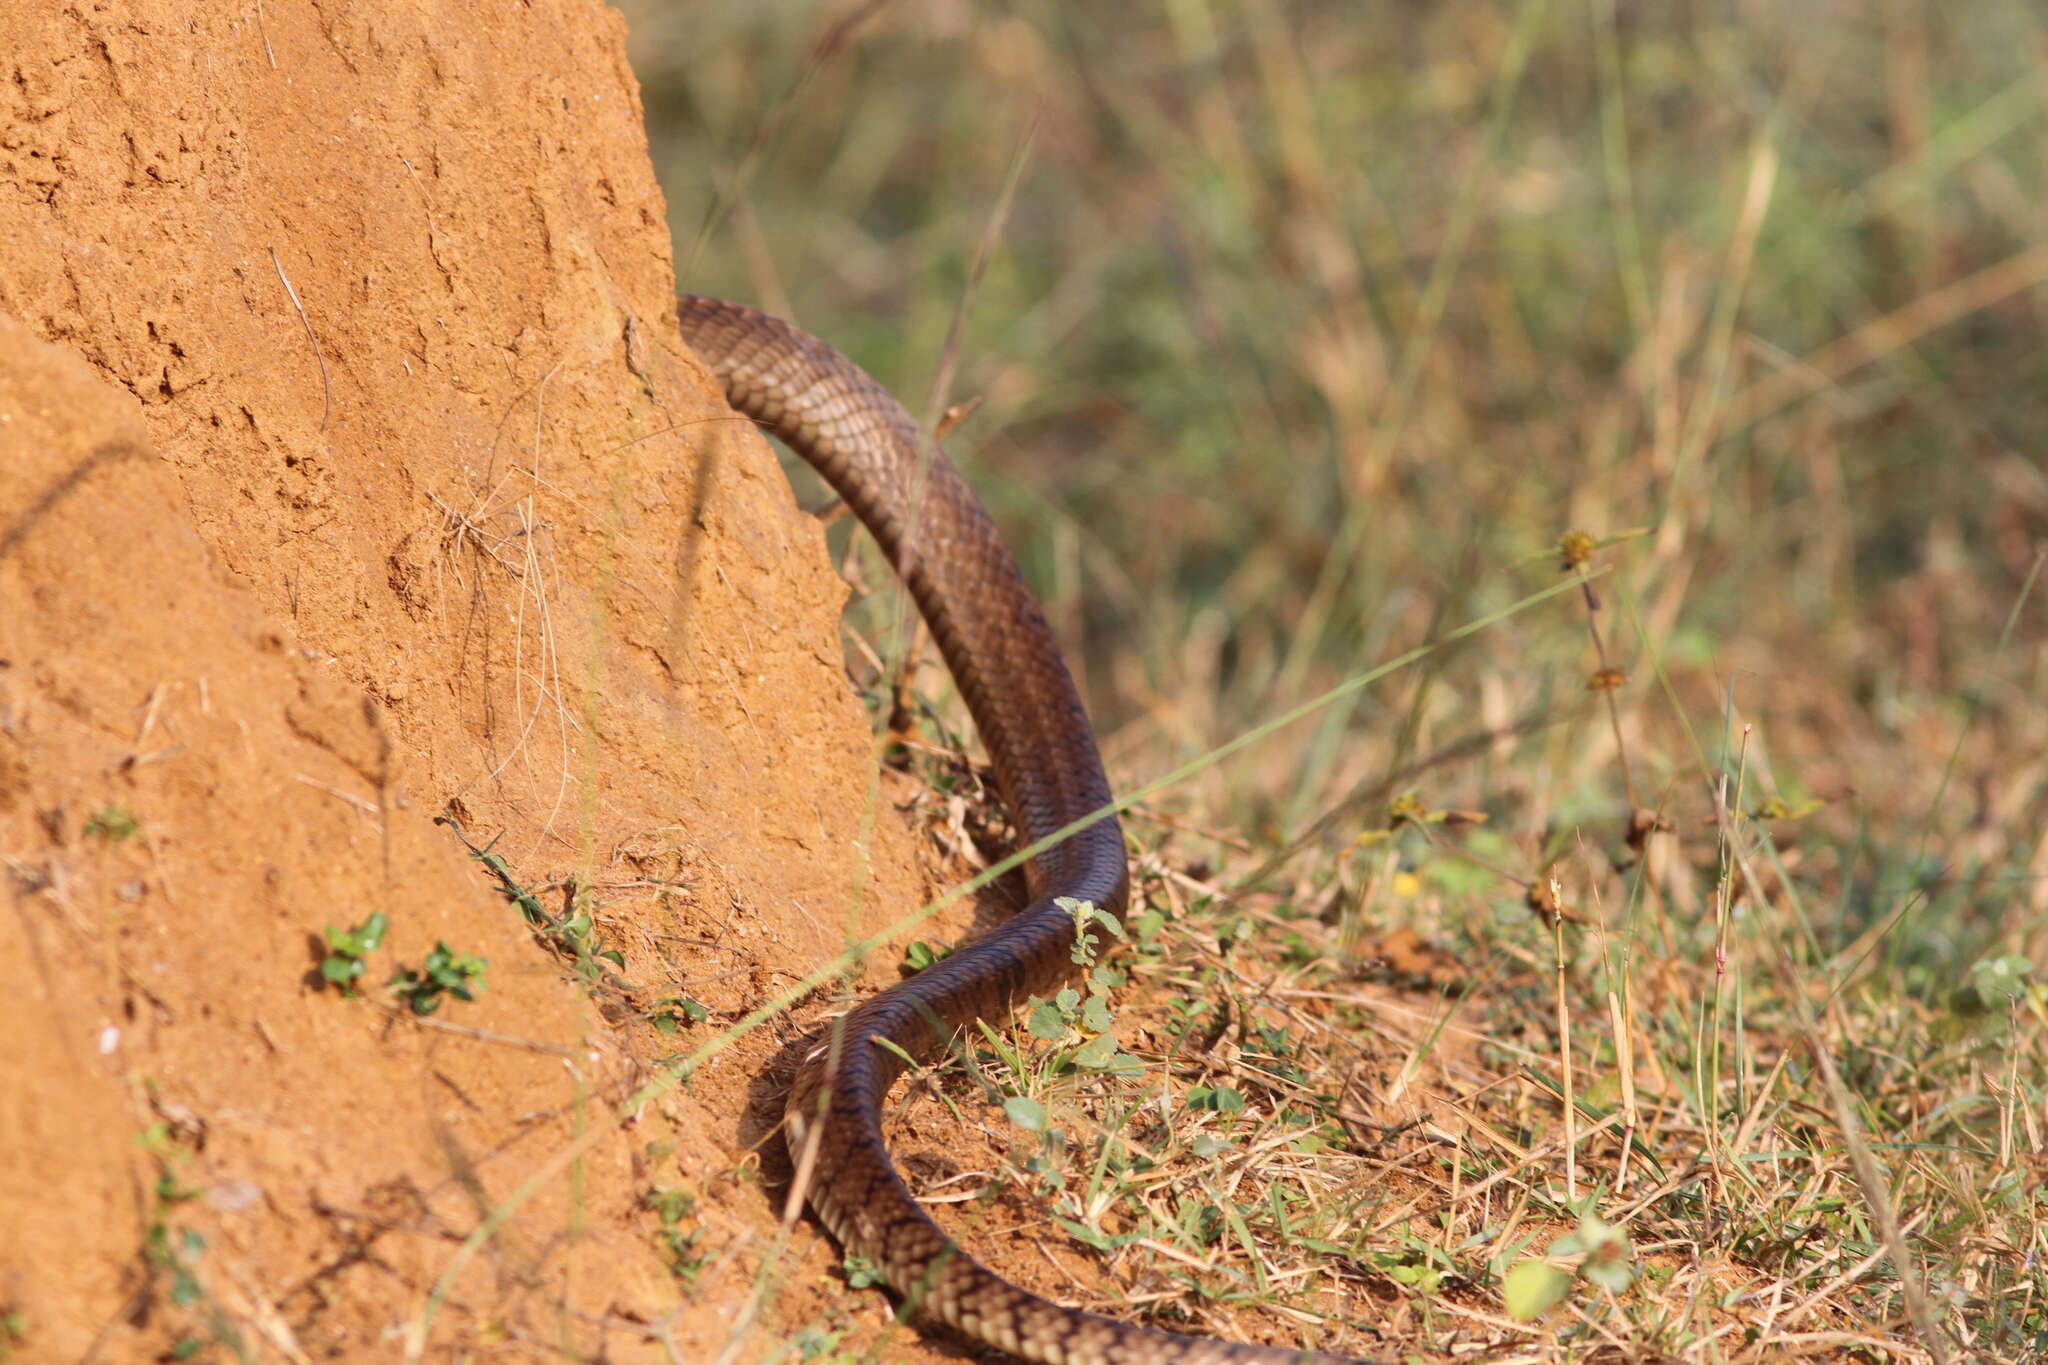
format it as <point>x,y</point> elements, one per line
<point>676,1210</point>
<point>112,824</point>
<point>446,972</point>
<point>348,951</point>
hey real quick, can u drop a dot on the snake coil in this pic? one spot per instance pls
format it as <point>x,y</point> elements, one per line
<point>1003,656</point>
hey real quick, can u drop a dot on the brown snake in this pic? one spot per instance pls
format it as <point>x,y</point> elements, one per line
<point>1008,667</point>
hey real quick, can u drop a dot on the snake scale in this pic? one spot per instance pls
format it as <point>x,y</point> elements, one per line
<point>1008,667</point>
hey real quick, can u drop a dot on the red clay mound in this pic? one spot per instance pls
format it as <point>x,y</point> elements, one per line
<point>351,475</point>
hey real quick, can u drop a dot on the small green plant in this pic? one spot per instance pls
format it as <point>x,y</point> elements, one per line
<point>1533,1287</point>
<point>820,1347</point>
<point>1994,984</point>
<point>1417,1266</point>
<point>112,824</point>
<point>1078,1027</point>
<point>672,1013</point>
<point>349,949</point>
<point>173,1253</point>
<point>920,955</point>
<point>1086,917</point>
<point>679,1244</point>
<point>1081,1023</point>
<point>445,973</point>
<point>1217,1099</point>
<point>13,1333</point>
<point>861,1273</point>
<point>572,937</point>
<point>162,1145</point>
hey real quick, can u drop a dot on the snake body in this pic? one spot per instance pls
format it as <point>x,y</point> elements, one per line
<point>1008,667</point>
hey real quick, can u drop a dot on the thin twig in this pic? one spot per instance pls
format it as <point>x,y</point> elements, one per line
<point>326,384</point>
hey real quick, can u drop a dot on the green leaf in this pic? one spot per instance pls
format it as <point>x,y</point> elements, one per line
<point>1098,1053</point>
<point>1026,1113</point>
<point>1046,1023</point>
<point>1533,1288</point>
<point>1095,1015</point>
<point>2001,980</point>
<point>1407,1268</point>
<point>1221,1099</point>
<point>1086,1235</point>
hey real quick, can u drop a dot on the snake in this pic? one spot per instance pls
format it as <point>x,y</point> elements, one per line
<point>1008,667</point>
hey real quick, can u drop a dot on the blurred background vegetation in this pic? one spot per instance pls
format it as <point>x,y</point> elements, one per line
<point>1307,329</point>
<point>1303,333</point>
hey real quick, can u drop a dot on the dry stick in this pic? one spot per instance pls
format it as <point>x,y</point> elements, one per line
<point>1868,1175</point>
<point>1706,416</point>
<point>1746,1130</point>
<point>264,29</point>
<point>1618,1008</point>
<point>1724,917</point>
<point>326,386</point>
<point>1621,1014</point>
<point>66,484</point>
<point>1728,975</point>
<point>673,1075</point>
<point>1173,822</point>
<point>1564,1054</point>
<point>1608,681</point>
<point>482,1035</point>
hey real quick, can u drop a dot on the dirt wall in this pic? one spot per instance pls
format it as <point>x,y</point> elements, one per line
<point>351,476</point>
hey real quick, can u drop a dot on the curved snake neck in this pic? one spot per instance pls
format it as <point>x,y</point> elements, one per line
<point>1003,656</point>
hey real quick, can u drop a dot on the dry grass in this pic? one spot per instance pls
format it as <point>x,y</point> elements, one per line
<point>1314,331</point>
